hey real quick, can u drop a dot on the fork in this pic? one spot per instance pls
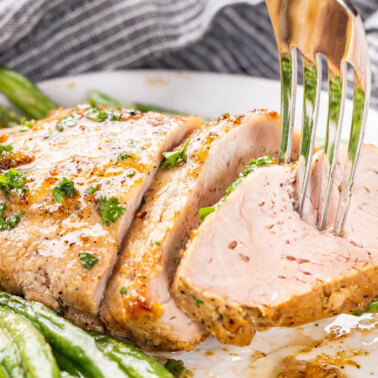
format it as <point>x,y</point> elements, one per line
<point>333,29</point>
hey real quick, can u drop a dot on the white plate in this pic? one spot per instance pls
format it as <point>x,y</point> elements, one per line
<point>347,337</point>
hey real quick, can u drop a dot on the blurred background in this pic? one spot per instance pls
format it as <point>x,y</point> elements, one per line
<point>48,38</point>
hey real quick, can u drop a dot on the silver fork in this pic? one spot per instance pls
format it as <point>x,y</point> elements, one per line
<point>334,29</point>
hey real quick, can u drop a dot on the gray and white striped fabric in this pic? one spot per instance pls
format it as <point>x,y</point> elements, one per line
<point>48,38</point>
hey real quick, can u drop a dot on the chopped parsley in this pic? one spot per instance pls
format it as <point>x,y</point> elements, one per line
<point>253,164</point>
<point>5,148</point>
<point>110,209</point>
<point>133,145</point>
<point>10,222</point>
<point>26,125</point>
<point>175,158</point>
<point>88,260</point>
<point>64,188</point>
<point>198,302</point>
<point>121,156</point>
<point>13,179</point>
<point>371,307</point>
<point>93,189</point>
<point>123,290</point>
<point>131,173</point>
<point>97,115</point>
<point>205,211</point>
<point>68,121</point>
<point>176,368</point>
<point>155,242</point>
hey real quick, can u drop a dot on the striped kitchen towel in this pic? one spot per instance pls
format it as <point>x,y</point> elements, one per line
<point>48,38</point>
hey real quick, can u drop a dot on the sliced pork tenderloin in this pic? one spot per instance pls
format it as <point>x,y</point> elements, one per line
<point>363,207</point>
<point>64,248</point>
<point>254,263</point>
<point>137,301</point>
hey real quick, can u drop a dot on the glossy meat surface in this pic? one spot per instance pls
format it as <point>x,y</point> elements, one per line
<point>46,256</point>
<point>137,300</point>
<point>254,263</point>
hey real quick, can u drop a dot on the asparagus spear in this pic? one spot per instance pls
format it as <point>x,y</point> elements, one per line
<point>8,117</point>
<point>67,339</point>
<point>100,98</point>
<point>153,108</point>
<point>105,100</point>
<point>9,357</point>
<point>67,365</point>
<point>36,355</point>
<point>131,360</point>
<point>3,373</point>
<point>24,94</point>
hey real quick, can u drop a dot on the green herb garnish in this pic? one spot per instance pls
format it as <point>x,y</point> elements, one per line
<point>5,148</point>
<point>131,174</point>
<point>121,156</point>
<point>372,306</point>
<point>10,222</point>
<point>253,164</point>
<point>175,158</point>
<point>64,188</point>
<point>205,211</point>
<point>155,242</point>
<point>93,189</point>
<point>88,260</point>
<point>176,367</point>
<point>110,209</point>
<point>68,121</point>
<point>26,125</point>
<point>123,290</point>
<point>13,179</point>
<point>198,302</point>
<point>97,115</point>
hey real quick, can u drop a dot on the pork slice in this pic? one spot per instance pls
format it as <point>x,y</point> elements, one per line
<point>254,263</point>
<point>42,257</point>
<point>363,207</point>
<point>137,301</point>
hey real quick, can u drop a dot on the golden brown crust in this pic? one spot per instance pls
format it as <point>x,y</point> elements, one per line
<point>232,323</point>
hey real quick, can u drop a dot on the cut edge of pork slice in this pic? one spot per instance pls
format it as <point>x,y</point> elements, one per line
<point>46,265</point>
<point>216,154</point>
<point>254,263</point>
<point>186,124</point>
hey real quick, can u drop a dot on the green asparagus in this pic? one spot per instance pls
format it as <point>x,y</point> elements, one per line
<point>36,355</point>
<point>153,108</point>
<point>8,117</point>
<point>177,368</point>
<point>3,373</point>
<point>65,374</point>
<point>24,94</point>
<point>132,361</point>
<point>65,364</point>
<point>100,98</point>
<point>105,100</point>
<point>9,356</point>
<point>64,337</point>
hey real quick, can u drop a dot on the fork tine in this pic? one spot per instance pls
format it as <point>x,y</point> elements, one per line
<point>361,99</point>
<point>336,103</point>
<point>312,78</point>
<point>289,75</point>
